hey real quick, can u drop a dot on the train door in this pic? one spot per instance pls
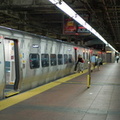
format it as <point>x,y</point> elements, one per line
<point>11,65</point>
<point>109,57</point>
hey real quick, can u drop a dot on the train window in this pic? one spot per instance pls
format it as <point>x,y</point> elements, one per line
<point>65,58</point>
<point>70,58</point>
<point>34,61</point>
<point>60,59</point>
<point>45,60</point>
<point>53,59</point>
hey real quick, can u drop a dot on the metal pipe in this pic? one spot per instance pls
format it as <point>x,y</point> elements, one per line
<point>106,10</point>
<point>89,75</point>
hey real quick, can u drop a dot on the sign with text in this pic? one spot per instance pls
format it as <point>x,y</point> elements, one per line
<point>69,26</point>
<point>73,28</point>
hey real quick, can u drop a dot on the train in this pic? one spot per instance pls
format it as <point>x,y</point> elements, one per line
<point>28,60</point>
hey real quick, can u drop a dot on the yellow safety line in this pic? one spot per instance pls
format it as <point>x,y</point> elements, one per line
<point>72,82</point>
<point>23,96</point>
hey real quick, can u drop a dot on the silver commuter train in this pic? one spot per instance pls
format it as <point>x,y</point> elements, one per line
<point>28,60</point>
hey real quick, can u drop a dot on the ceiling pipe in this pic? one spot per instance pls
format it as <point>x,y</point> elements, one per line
<point>117,22</point>
<point>93,12</point>
<point>106,10</point>
<point>69,11</point>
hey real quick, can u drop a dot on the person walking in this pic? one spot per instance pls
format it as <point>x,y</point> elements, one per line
<point>99,62</point>
<point>117,58</point>
<point>93,61</point>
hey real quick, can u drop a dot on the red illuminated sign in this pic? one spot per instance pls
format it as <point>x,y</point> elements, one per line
<point>73,28</point>
<point>69,26</point>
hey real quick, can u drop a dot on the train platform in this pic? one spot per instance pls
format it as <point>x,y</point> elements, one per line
<point>69,98</point>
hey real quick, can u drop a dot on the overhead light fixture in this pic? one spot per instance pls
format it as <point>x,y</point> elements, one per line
<point>69,11</point>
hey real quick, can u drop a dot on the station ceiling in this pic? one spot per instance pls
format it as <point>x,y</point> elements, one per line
<point>44,18</point>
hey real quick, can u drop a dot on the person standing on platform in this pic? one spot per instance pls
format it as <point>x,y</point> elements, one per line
<point>80,64</point>
<point>93,61</point>
<point>99,62</point>
<point>117,58</point>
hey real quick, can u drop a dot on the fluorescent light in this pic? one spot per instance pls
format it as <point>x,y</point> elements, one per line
<point>65,8</point>
<point>112,47</point>
<point>79,20</point>
<point>54,1</point>
<point>87,26</point>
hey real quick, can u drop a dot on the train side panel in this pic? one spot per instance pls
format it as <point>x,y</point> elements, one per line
<point>53,61</point>
<point>2,69</point>
<point>30,54</point>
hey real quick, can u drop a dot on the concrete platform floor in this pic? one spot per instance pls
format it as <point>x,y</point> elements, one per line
<point>72,100</point>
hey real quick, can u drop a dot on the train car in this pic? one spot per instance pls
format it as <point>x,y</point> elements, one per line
<point>29,60</point>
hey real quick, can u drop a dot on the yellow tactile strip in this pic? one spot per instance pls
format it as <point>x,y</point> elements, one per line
<point>26,95</point>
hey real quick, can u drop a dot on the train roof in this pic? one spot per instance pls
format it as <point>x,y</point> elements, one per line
<point>9,31</point>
